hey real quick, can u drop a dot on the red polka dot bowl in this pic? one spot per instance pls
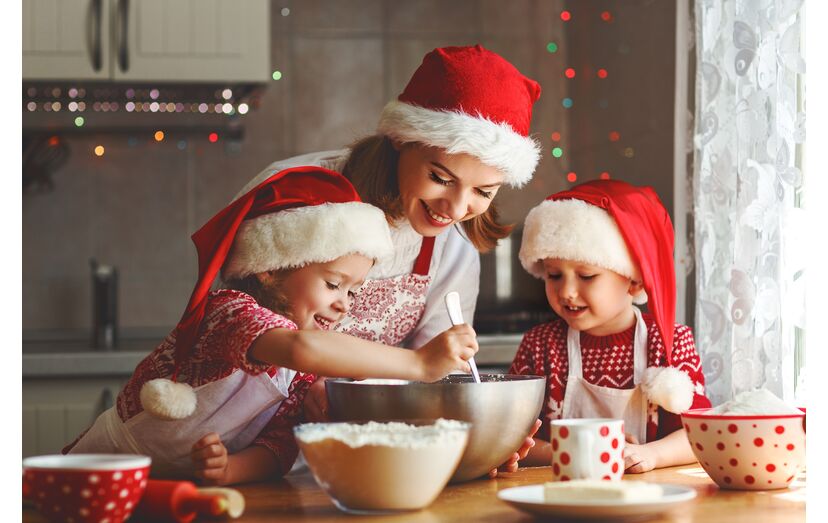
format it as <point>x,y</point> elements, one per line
<point>747,452</point>
<point>84,488</point>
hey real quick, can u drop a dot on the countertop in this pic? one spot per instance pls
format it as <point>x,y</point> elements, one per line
<point>298,498</point>
<point>46,358</point>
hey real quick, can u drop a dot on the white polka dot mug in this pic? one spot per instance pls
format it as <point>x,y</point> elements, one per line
<point>84,488</point>
<point>589,448</point>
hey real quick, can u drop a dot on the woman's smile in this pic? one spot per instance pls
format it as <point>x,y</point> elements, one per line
<point>438,220</point>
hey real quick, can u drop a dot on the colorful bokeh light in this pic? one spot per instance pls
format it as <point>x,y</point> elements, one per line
<point>557,152</point>
<point>213,137</point>
<point>605,175</point>
<point>602,73</point>
<point>566,16</point>
<point>571,177</point>
<point>556,136</point>
<point>614,136</point>
<point>569,72</point>
<point>99,150</point>
<point>552,47</point>
<point>159,136</point>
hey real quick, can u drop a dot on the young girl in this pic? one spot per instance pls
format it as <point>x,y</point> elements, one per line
<point>602,247</point>
<point>291,252</point>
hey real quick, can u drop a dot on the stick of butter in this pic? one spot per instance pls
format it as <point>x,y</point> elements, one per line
<point>601,490</point>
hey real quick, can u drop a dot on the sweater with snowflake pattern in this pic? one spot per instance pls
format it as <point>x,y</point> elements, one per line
<point>607,362</point>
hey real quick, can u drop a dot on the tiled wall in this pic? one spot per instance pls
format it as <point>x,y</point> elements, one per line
<point>341,60</point>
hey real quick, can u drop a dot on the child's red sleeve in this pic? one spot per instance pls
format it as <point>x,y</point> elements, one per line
<point>233,329</point>
<point>686,358</point>
<point>277,436</point>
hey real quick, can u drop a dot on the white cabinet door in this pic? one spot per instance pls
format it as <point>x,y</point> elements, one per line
<point>66,39</point>
<point>57,410</point>
<point>191,40</point>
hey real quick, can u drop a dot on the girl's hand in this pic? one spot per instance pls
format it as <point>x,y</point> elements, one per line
<point>512,464</point>
<point>448,351</point>
<point>637,458</point>
<point>316,402</point>
<point>209,456</point>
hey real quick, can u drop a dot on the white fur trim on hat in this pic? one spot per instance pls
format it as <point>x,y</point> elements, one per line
<point>668,387</point>
<point>578,231</point>
<point>312,234</point>
<point>167,400</point>
<point>495,144</point>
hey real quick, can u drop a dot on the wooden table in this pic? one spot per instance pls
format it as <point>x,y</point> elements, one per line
<point>298,498</point>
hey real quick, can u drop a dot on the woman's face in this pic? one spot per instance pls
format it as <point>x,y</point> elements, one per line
<point>439,189</point>
<point>319,294</point>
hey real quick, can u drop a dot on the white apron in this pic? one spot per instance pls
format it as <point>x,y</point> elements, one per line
<point>387,310</point>
<point>236,407</point>
<point>585,400</point>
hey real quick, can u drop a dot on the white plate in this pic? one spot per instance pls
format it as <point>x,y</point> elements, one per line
<point>530,499</point>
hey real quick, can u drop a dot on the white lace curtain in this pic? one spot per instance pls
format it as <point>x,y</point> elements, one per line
<point>749,227</point>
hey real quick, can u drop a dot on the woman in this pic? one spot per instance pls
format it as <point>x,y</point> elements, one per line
<point>457,133</point>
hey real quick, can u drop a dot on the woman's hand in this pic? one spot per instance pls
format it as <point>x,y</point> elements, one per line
<point>512,464</point>
<point>448,351</point>
<point>638,458</point>
<point>316,401</point>
<point>210,460</point>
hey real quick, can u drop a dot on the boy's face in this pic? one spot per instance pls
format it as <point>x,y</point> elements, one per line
<point>320,294</point>
<point>439,189</point>
<point>590,299</point>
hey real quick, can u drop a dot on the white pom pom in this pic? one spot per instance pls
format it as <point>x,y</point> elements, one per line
<point>168,400</point>
<point>640,298</point>
<point>668,387</point>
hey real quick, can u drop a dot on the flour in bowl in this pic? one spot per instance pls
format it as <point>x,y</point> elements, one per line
<point>388,434</point>
<point>755,402</point>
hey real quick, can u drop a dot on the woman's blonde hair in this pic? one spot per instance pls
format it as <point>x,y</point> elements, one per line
<point>269,295</point>
<point>372,168</point>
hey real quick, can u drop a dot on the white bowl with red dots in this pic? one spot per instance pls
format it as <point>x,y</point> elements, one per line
<point>85,487</point>
<point>747,452</point>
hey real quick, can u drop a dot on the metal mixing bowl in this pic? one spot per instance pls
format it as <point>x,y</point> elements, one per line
<point>501,410</point>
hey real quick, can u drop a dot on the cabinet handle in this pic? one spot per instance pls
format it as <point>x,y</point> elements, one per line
<point>123,19</point>
<point>96,34</point>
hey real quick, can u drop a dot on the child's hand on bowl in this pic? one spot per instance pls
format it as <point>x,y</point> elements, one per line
<point>210,460</point>
<point>316,402</point>
<point>512,464</point>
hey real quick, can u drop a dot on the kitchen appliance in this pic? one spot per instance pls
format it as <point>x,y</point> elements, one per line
<point>104,306</point>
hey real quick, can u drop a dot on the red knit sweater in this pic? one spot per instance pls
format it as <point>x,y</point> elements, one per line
<point>607,362</point>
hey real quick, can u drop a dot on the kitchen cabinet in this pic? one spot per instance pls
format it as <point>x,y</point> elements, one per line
<point>146,40</point>
<point>57,410</point>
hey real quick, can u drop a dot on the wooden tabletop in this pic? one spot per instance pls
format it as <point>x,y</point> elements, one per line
<point>298,498</point>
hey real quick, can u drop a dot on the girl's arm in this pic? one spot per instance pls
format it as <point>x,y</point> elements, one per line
<point>335,354</point>
<point>671,450</point>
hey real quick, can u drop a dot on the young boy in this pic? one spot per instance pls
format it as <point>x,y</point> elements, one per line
<point>601,248</point>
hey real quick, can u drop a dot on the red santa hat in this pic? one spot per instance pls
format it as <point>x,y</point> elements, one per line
<point>297,216</point>
<point>469,100</point>
<point>626,229</point>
